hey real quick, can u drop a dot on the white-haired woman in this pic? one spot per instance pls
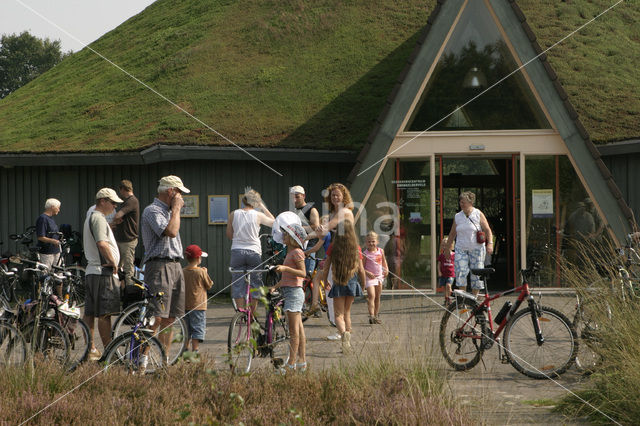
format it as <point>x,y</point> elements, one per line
<point>470,253</point>
<point>243,229</point>
<point>47,233</point>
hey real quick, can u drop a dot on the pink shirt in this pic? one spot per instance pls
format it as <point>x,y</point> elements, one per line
<point>288,279</point>
<point>373,264</point>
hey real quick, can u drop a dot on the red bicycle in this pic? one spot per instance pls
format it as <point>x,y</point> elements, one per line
<point>539,341</point>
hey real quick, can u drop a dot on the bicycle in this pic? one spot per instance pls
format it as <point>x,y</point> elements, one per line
<point>247,338</point>
<point>13,347</point>
<point>137,350</point>
<point>307,286</point>
<point>74,288</point>
<point>8,281</point>
<point>36,322</point>
<point>539,341</point>
<point>129,318</point>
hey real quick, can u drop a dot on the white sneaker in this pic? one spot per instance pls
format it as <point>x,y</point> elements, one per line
<point>94,355</point>
<point>336,336</point>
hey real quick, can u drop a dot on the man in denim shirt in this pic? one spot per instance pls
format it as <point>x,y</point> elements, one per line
<point>160,230</point>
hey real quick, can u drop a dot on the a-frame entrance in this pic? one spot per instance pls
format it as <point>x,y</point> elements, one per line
<point>476,89</point>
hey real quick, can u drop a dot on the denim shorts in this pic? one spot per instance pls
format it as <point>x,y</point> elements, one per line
<point>442,281</point>
<point>293,298</point>
<point>351,289</point>
<point>197,324</point>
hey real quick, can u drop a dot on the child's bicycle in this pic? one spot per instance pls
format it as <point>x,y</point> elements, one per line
<point>130,317</point>
<point>248,338</point>
<point>307,286</point>
<point>138,350</point>
<point>539,341</point>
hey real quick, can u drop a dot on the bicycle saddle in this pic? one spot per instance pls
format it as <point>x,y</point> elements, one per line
<point>483,271</point>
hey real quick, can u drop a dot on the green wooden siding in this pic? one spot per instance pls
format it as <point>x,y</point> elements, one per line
<point>23,191</point>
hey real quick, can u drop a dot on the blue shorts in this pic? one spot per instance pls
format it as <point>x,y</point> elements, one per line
<point>293,298</point>
<point>196,324</point>
<point>442,281</point>
<point>351,289</point>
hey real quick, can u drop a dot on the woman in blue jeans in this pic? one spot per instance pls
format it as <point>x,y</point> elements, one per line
<point>470,254</point>
<point>243,229</point>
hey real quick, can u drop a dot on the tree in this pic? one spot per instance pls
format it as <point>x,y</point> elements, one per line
<point>24,57</point>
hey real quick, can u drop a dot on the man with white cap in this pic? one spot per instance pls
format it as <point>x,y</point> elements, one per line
<point>102,297</point>
<point>310,221</point>
<point>160,230</point>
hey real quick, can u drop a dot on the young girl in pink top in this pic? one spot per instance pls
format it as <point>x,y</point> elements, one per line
<point>375,268</point>
<point>293,273</point>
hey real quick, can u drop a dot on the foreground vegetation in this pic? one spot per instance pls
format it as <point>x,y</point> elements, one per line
<point>381,392</point>
<point>612,391</point>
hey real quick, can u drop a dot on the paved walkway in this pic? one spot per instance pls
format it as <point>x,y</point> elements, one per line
<point>410,331</point>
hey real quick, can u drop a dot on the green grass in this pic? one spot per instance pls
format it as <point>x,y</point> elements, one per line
<point>197,393</point>
<point>289,74</point>
<point>612,391</point>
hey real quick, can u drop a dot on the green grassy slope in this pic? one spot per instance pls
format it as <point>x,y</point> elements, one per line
<point>288,73</point>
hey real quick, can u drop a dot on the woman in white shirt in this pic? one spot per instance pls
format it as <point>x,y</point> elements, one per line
<point>243,229</point>
<point>470,254</point>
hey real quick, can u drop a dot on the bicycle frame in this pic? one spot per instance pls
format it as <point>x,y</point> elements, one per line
<point>247,299</point>
<point>525,293</point>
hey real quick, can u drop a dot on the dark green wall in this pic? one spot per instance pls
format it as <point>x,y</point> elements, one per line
<point>23,191</point>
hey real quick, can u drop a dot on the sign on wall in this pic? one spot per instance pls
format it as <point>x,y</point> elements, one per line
<point>542,203</point>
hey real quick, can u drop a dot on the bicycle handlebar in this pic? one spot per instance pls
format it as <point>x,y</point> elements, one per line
<point>247,271</point>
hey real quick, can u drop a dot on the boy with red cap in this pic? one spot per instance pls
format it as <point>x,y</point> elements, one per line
<point>197,282</point>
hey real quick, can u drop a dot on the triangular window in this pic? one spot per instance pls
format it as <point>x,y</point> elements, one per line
<point>475,57</point>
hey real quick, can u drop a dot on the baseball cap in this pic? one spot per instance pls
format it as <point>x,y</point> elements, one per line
<point>296,190</point>
<point>109,194</point>
<point>173,182</point>
<point>194,251</point>
<point>296,232</point>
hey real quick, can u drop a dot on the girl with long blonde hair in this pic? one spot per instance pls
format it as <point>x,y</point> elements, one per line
<point>344,268</point>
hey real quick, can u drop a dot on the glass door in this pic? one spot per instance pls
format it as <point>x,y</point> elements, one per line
<point>494,182</point>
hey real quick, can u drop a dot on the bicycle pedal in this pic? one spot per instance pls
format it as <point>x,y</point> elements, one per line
<point>504,359</point>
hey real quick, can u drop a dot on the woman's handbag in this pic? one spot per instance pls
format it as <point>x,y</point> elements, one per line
<point>481,237</point>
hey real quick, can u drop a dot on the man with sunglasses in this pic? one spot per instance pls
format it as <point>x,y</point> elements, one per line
<point>102,297</point>
<point>160,230</point>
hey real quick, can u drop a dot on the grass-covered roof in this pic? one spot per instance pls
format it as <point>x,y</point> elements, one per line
<point>291,73</point>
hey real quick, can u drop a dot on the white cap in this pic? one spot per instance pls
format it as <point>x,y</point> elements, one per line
<point>109,194</point>
<point>296,190</point>
<point>173,182</point>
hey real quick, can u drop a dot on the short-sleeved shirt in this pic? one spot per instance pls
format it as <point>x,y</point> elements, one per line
<point>96,228</point>
<point>155,219</point>
<point>127,230</point>
<point>45,226</point>
<point>288,279</point>
<point>447,268</point>
<point>196,282</point>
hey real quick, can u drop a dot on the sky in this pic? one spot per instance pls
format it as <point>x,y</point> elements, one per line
<point>84,20</point>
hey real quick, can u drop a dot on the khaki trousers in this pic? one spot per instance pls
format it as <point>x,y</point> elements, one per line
<point>127,256</point>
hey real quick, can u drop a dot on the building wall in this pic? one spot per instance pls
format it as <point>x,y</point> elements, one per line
<point>625,169</point>
<point>23,191</point>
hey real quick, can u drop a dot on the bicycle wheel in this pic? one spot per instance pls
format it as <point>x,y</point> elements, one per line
<point>279,344</point>
<point>179,333</point>
<point>546,360</point>
<point>138,352</point>
<point>13,348</point>
<point>461,334</point>
<point>587,330</point>
<point>79,342</point>
<point>240,346</point>
<point>76,285</point>
<point>49,339</point>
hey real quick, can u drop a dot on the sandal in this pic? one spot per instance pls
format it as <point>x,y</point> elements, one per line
<point>301,366</point>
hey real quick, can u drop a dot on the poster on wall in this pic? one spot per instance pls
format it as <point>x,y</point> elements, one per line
<point>542,203</point>
<point>190,208</point>
<point>218,209</point>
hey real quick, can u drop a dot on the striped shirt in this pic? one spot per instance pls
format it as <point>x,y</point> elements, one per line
<point>155,219</point>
